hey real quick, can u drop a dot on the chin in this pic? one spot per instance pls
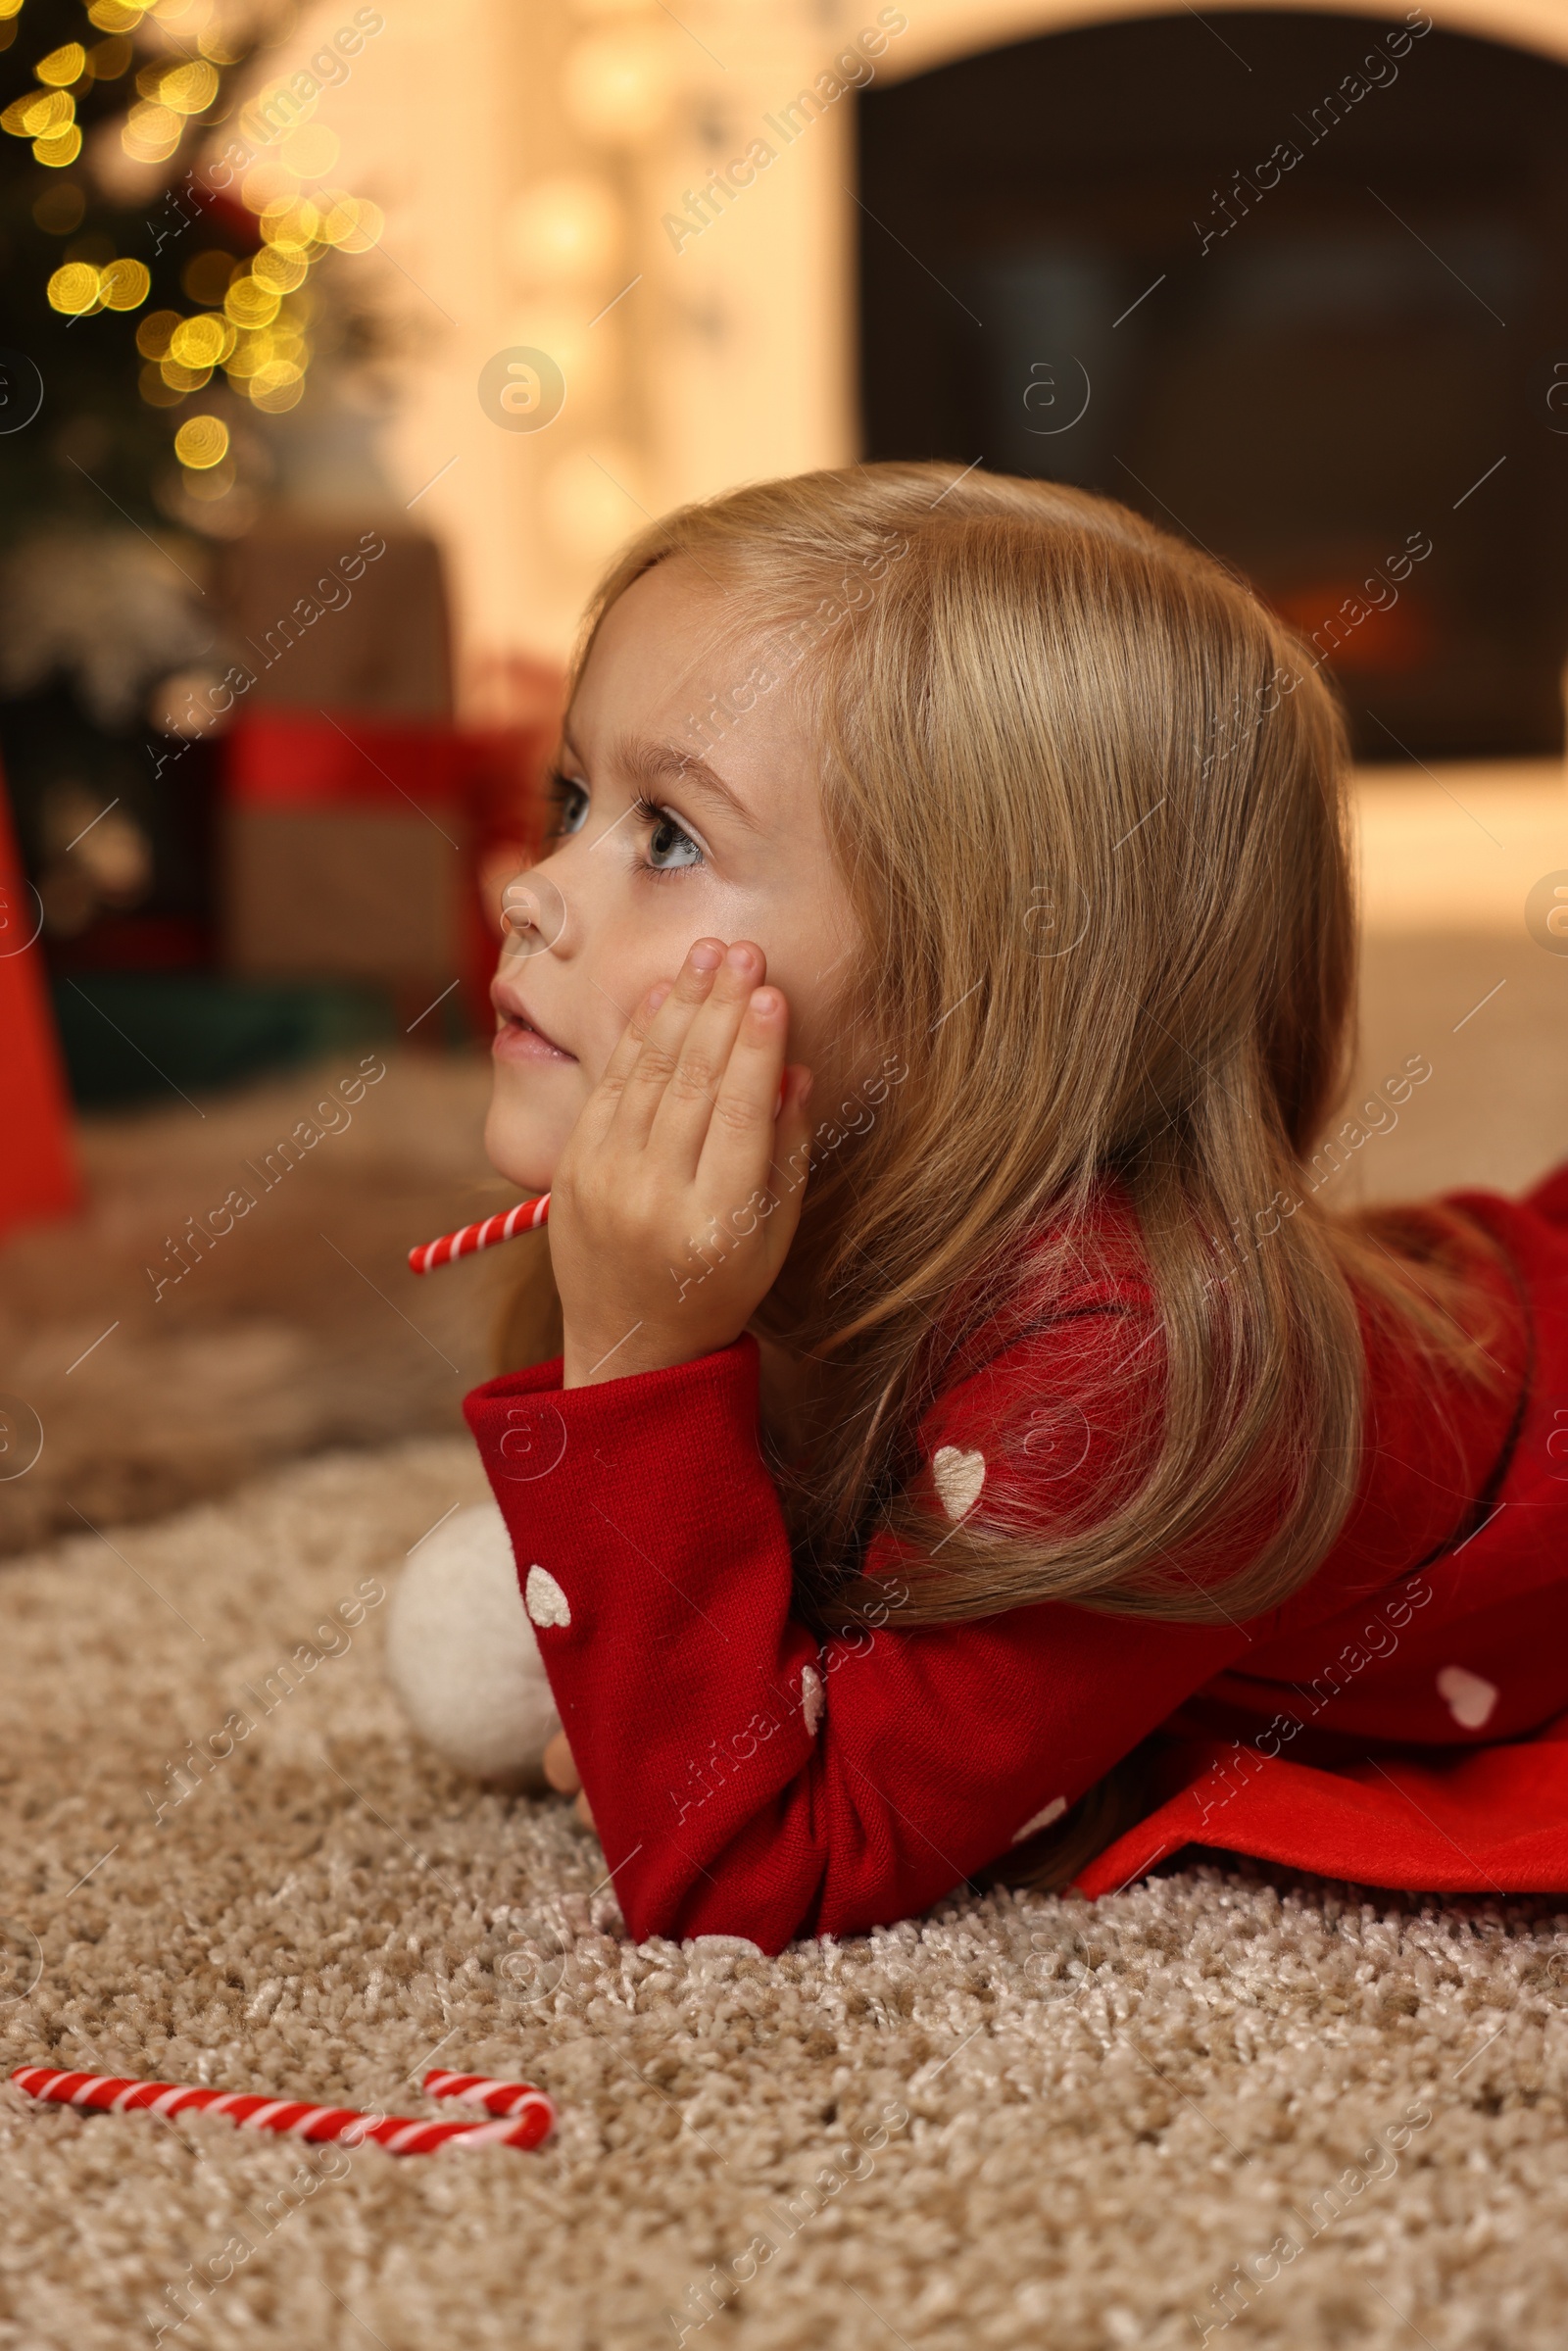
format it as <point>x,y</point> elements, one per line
<point>515,1148</point>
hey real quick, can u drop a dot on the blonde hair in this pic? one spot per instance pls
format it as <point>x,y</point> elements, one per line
<point>1088,801</point>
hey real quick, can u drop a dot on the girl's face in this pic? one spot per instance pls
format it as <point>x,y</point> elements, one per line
<point>658,843</point>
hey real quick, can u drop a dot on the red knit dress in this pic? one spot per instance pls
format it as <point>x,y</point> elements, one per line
<point>1401,1720</point>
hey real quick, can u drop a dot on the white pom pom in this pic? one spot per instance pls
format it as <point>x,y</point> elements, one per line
<point>462,1655</point>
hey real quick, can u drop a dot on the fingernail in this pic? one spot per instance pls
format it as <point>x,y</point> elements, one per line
<point>739,958</point>
<point>764,1001</point>
<point>706,956</point>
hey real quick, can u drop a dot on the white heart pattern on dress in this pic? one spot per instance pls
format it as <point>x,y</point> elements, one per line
<point>544,1599</point>
<point>1470,1699</point>
<point>957,1476</point>
<point>1040,1820</point>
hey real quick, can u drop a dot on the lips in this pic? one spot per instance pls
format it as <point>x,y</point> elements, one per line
<point>519,1022</point>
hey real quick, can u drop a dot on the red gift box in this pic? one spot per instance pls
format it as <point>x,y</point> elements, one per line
<point>359,846</point>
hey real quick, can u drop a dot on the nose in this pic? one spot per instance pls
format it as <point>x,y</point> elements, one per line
<point>533,914</point>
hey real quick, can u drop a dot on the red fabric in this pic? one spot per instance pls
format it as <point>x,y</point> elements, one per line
<point>746,1779</point>
<point>39,1172</point>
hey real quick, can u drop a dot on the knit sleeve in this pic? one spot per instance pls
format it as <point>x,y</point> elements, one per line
<point>744,1778</point>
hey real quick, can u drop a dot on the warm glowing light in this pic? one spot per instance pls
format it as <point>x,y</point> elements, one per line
<point>9,9</point>
<point>62,66</point>
<point>266,183</point>
<point>40,115</point>
<point>590,509</point>
<point>60,150</point>
<point>250,354</point>
<point>309,150</point>
<point>74,289</point>
<point>124,284</point>
<point>155,391</point>
<point>277,387</point>
<point>249,303</point>
<point>151,133</point>
<point>114,16</point>
<point>202,441</point>
<point>616,86</point>
<point>353,223</point>
<point>214,484</point>
<point>179,377</point>
<point>565,231</point>
<point>202,341</point>
<point>107,59</point>
<point>187,90</point>
<point>281,267</point>
<point>154,331</point>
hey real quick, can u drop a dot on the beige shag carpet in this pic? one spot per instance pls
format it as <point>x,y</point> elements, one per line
<point>298,1327</point>
<point>1222,2104</point>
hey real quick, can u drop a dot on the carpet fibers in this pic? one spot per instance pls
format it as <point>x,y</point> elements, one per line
<point>1224,2102</point>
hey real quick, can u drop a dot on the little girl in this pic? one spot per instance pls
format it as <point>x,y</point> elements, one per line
<point>959,1417</point>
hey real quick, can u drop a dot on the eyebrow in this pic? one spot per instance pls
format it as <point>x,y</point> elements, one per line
<point>650,765</point>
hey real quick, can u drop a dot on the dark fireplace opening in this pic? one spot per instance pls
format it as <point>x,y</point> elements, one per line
<point>1296,286</point>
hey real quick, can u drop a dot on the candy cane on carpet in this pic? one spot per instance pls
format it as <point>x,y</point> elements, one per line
<point>524,2115</point>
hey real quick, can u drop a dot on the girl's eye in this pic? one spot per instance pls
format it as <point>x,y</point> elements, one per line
<point>670,849</point>
<point>571,803</point>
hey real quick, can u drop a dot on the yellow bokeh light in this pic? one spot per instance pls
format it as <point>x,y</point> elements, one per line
<point>61,150</point>
<point>107,59</point>
<point>181,379</point>
<point>616,86</point>
<point>154,331</point>
<point>565,231</point>
<point>249,355</point>
<point>9,9</point>
<point>187,90</point>
<point>309,150</point>
<point>282,268</point>
<point>74,289</point>
<point>124,284</point>
<point>353,223</point>
<point>151,133</point>
<point>63,65</point>
<point>40,115</point>
<point>266,182</point>
<point>114,16</point>
<point>279,386</point>
<point>290,227</point>
<point>202,441</point>
<point>249,303</point>
<point>202,341</point>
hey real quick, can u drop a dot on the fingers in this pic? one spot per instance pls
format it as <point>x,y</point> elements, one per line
<point>558,1767</point>
<point>630,1043</point>
<point>652,1068</point>
<point>690,1102</point>
<point>738,1145</point>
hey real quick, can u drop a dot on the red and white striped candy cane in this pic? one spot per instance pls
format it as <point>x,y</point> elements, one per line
<point>527,2121</point>
<point>526,1217</point>
<point>480,2089</point>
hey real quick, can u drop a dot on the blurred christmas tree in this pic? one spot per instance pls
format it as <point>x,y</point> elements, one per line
<point>162,211</point>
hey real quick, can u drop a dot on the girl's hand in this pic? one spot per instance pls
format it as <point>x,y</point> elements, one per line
<point>679,1191</point>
